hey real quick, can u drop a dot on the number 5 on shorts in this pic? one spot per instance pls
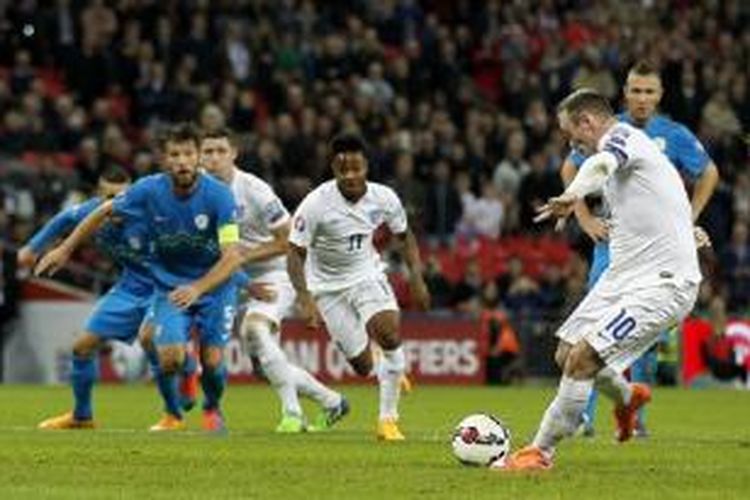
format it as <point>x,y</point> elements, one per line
<point>621,325</point>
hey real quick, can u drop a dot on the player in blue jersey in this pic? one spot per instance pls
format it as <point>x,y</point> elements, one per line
<point>190,219</point>
<point>643,91</point>
<point>120,313</point>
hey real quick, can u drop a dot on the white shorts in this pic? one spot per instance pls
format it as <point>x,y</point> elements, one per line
<point>282,307</point>
<point>621,324</point>
<point>346,312</point>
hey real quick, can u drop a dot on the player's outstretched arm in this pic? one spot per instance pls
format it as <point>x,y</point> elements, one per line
<point>230,261</point>
<point>407,246</point>
<point>295,262</point>
<point>41,240</point>
<point>590,178</point>
<point>56,258</point>
<point>593,226</point>
<point>278,246</point>
<point>704,188</point>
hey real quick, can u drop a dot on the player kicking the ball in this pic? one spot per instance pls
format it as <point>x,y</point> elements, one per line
<point>336,270</point>
<point>651,283</point>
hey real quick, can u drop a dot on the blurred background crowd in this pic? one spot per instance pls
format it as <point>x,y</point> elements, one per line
<point>456,99</point>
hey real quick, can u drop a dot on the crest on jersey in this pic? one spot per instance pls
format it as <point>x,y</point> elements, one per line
<point>661,143</point>
<point>134,242</point>
<point>201,221</point>
<point>273,211</point>
<point>376,216</point>
<point>299,223</point>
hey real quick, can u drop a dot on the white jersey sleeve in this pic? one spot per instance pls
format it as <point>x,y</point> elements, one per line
<point>259,213</point>
<point>304,221</point>
<point>395,215</point>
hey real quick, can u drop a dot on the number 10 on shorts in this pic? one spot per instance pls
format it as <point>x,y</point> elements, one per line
<point>621,325</point>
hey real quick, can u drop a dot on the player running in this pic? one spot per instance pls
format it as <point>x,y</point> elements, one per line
<point>643,91</point>
<point>190,220</point>
<point>264,231</point>
<point>651,283</point>
<point>336,270</point>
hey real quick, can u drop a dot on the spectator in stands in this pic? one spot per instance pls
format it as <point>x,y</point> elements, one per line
<point>736,266</point>
<point>504,363</point>
<point>442,206</point>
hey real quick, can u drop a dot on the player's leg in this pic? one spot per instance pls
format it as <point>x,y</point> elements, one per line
<point>116,316</point>
<point>333,405</point>
<point>587,419</point>
<point>644,371</point>
<point>214,320</point>
<point>257,332</point>
<point>171,329</point>
<point>383,329</point>
<point>599,264</point>
<point>377,307</point>
<point>82,378</point>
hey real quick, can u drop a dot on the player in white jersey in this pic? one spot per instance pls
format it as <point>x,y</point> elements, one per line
<point>264,230</point>
<point>651,282</point>
<point>336,270</point>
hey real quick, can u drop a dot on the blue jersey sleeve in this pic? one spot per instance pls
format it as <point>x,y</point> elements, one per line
<point>240,279</point>
<point>132,202</point>
<point>576,158</point>
<point>62,223</point>
<point>688,151</point>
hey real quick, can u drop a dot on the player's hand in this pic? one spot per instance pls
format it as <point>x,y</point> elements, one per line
<point>264,292</point>
<point>184,296</point>
<point>559,207</point>
<point>595,228</point>
<point>53,261</point>
<point>26,258</point>
<point>420,294</point>
<point>702,240</point>
<point>309,312</point>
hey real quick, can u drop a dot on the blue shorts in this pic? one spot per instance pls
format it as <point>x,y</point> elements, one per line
<point>599,263</point>
<point>119,313</point>
<point>212,315</point>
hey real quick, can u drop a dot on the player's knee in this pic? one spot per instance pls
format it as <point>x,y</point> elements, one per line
<point>362,363</point>
<point>85,346</point>
<point>561,354</point>
<point>211,358</point>
<point>582,362</point>
<point>171,360</point>
<point>146,338</point>
<point>383,327</point>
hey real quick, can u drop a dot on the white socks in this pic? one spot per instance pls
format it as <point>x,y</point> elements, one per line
<point>287,379</point>
<point>563,415</point>
<point>309,386</point>
<point>274,364</point>
<point>390,369</point>
<point>613,385</point>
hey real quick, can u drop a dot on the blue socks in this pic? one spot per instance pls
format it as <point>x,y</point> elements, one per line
<point>83,377</point>
<point>213,381</point>
<point>167,385</point>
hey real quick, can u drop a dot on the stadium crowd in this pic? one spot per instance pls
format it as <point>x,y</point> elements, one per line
<point>456,100</point>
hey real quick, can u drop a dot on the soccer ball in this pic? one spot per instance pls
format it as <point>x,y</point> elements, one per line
<point>128,361</point>
<point>481,440</point>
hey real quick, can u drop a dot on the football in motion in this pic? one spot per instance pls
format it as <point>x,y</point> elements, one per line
<point>481,440</point>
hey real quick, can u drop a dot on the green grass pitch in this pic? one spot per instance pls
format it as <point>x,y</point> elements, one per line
<point>700,449</point>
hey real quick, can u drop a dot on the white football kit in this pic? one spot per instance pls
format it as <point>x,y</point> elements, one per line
<point>652,280</point>
<point>344,271</point>
<point>259,212</point>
